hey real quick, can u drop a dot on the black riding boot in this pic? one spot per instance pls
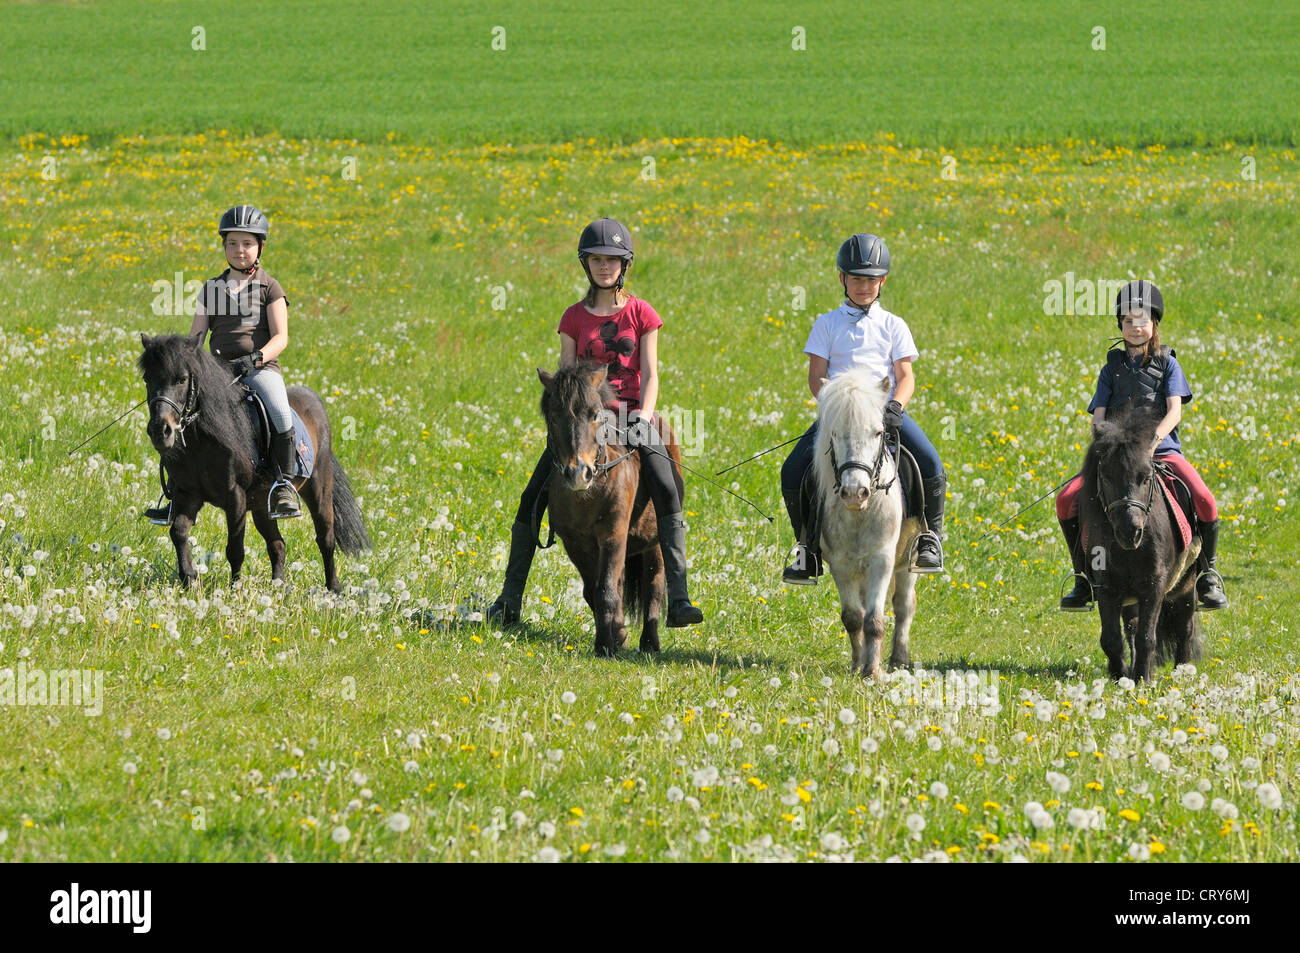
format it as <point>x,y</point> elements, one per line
<point>1078,599</point>
<point>805,563</point>
<point>1209,589</point>
<point>929,545</point>
<point>284,499</point>
<point>523,545</point>
<point>672,543</point>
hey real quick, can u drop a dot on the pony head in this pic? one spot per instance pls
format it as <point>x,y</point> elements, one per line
<point>180,378</point>
<point>1118,472</point>
<point>849,450</point>
<point>573,404</point>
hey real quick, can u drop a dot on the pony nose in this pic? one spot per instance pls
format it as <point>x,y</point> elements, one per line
<point>853,494</point>
<point>583,473</point>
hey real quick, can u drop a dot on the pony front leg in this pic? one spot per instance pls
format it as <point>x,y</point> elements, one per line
<point>853,615</point>
<point>236,521</point>
<point>184,511</point>
<point>608,597</point>
<point>904,611</point>
<point>274,541</point>
<point>1144,641</point>
<point>1112,633</point>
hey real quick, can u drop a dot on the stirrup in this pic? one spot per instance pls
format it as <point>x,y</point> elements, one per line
<point>913,551</point>
<point>1200,607</point>
<point>812,572</point>
<point>1088,605</point>
<point>158,514</point>
<point>271,511</point>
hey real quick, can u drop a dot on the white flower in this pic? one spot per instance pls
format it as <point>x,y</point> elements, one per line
<point>399,822</point>
<point>358,778</point>
<point>129,767</point>
<point>869,745</point>
<point>164,734</point>
<point>831,747</point>
<point>519,819</point>
<point>938,790</point>
<point>1159,760</point>
<point>915,823</point>
<point>1041,820</point>
<point>1269,739</point>
<point>832,842</point>
<point>615,850</point>
<point>1193,800</point>
<point>1079,818</point>
<point>1219,752</point>
<point>1126,683</point>
<point>847,716</point>
<point>1058,782</point>
<point>546,829</point>
<point>934,742</point>
<point>1269,795</point>
<point>340,834</point>
<point>774,682</point>
<point>1225,809</point>
<point>547,855</point>
<point>410,767</point>
<point>568,698</point>
<point>702,836</point>
<point>1139,852</point>
<point>413,740</point>
<point>675,794</point>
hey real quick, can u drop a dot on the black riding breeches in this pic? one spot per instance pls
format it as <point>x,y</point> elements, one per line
<point>657,471</point>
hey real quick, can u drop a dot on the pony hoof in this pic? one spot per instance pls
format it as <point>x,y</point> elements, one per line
<point>649,645</point>
<point>899,661</point>
<point>605,651</point>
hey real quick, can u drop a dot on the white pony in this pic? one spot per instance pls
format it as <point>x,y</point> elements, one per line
<point>864,538</point>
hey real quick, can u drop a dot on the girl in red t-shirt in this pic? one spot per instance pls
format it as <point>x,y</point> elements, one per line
<point>610,327</point>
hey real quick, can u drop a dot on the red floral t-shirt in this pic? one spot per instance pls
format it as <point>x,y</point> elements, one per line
<point>615,340</point>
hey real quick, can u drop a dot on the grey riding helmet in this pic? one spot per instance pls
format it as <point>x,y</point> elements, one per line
<point>244,218</point>
<point>865,255</point>
<point>1139,295</point>
<point>605,236</point>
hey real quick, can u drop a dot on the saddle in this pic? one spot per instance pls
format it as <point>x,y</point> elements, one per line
<point>304,458</point>
<point>1178,497</point>
<point>909,478</point>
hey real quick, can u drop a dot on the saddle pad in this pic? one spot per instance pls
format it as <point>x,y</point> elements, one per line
<point>1177,514</point>
<point>304,459</point>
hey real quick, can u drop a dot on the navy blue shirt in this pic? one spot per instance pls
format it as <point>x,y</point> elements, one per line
<point>1174,385</point>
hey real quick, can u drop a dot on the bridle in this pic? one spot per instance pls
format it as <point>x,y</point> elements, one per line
<point>187,414</point>
<point>1150,482</point>
<point>603,463</point>
<point>872,470</point>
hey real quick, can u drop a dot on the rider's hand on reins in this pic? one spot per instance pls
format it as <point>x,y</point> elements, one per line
<point>893,415</point>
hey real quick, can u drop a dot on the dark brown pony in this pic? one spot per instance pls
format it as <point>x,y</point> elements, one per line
<point>200,427</point>
<point>1145,587</point>
<point>599,507</point>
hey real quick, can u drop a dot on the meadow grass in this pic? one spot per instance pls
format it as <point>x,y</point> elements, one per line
<point>939,74</point>
<point>265,722</point>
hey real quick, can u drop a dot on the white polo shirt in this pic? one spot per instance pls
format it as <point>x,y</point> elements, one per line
<point>851,340</point>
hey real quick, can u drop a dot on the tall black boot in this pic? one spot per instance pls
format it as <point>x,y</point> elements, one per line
<point>672,543</point>
<point>1078,599</point>
<point>929,545</point>
<point>1209,587</point>
<point>523,545</point>
<point>284,499</point>
<point>804,566</point>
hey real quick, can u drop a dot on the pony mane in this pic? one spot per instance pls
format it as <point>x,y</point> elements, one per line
<point>571,390</point>
<point>222,416</point>
<point>851,402</point>
<point>1121,443</point>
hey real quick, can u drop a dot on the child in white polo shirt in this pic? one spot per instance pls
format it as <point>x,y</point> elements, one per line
<point>860,335</point>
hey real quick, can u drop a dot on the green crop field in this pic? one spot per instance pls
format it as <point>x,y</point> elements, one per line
<point>425,194</point>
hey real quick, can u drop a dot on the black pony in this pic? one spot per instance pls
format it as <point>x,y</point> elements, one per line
<point>1145,587</point>
<point>199,425</point>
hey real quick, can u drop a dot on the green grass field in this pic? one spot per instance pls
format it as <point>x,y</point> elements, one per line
<point>426,273</point>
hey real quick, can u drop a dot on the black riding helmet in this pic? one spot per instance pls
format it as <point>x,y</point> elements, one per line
<point>605,236</point>
<point>246,218</point>
<point>865,255</point>
<point>1139,295</point>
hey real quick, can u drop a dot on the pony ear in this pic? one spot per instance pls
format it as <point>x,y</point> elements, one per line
<point>145,340</point>
<point>598,375</point>
<point>884,386</point>
<point>547,378</point>
<point>196,339</point>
